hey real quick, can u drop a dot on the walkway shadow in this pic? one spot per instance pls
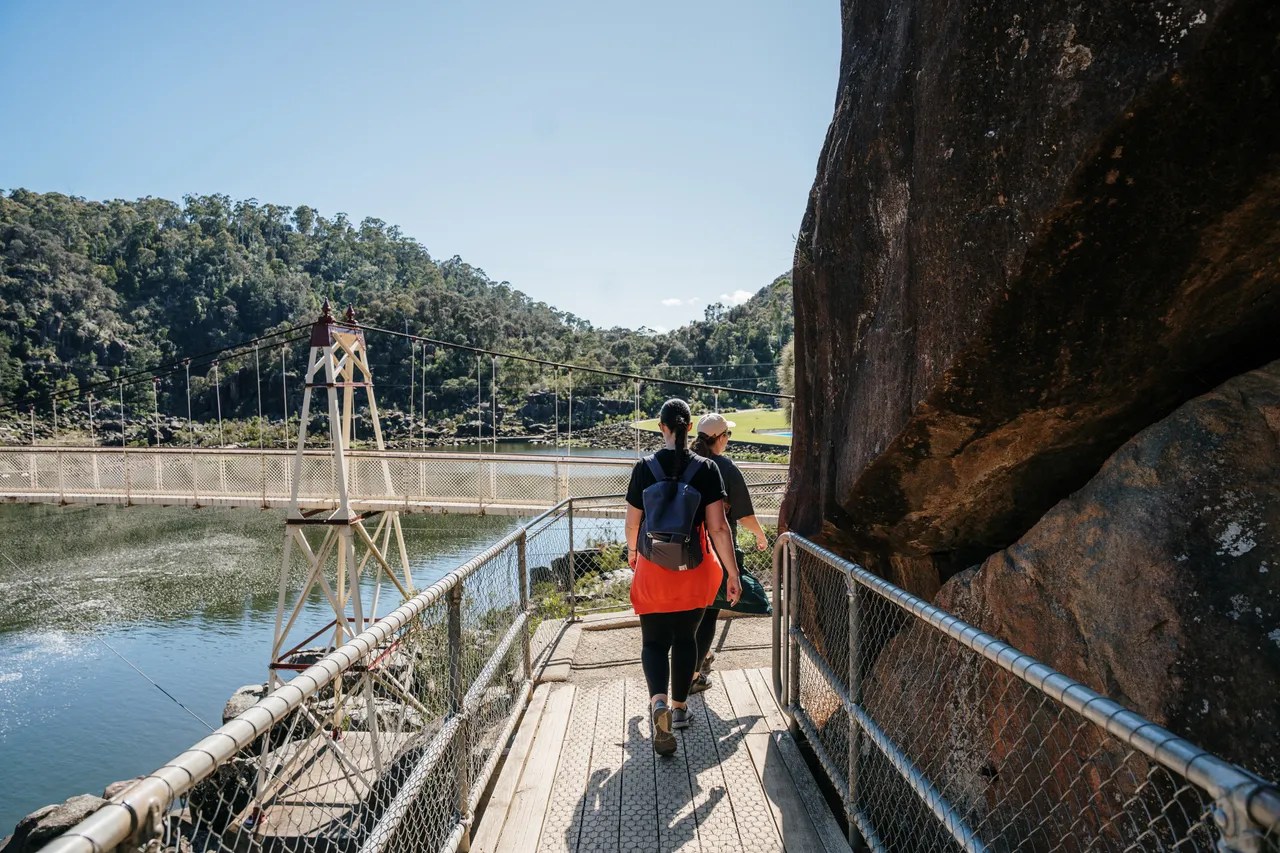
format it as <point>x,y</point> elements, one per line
<point>653,803</point>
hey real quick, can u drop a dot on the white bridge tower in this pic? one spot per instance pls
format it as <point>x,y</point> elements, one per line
<point>339,549</point>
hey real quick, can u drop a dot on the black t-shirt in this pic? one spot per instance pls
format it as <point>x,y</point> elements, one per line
<point>707,480</point>
<point>739,498</point>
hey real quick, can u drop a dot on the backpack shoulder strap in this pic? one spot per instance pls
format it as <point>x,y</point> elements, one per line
<point>691,466</point>
<point>656,467</point>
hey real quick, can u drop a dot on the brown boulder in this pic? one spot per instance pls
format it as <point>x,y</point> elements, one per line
<point>1036,228</point>
<point>1157,584</point>
<point>37,828</point>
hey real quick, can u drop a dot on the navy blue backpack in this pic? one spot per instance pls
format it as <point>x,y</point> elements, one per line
<point>667,537</point>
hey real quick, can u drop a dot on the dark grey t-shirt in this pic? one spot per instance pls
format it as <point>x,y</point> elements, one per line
<point>739,499</point>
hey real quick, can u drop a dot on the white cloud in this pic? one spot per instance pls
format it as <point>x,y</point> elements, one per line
<point>736,298</point>
<point>673,302</point>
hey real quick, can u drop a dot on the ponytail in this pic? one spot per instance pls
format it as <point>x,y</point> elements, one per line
<point>702,446</point>
<point>682,437</point>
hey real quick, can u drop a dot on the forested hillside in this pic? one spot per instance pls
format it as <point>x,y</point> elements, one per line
<point>92,290</point>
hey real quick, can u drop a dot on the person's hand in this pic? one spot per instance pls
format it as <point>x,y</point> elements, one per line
<point>733,587</point>
<point>762,542</point>
<point>631,558</point>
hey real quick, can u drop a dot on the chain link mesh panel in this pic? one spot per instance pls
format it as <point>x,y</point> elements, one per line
<point>384,744</point>
<point>934,744</point>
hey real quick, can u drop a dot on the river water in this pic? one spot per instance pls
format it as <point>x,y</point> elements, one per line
<point>186,595</point>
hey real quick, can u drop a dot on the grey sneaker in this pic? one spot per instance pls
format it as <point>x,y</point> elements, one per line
<point>664,742</point>
<point>705,669</point>
<point>700,683</point>
<point>680,718</point>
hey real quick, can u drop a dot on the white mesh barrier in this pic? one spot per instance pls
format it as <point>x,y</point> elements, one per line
<point>939,737</point>
<point>461,482</point>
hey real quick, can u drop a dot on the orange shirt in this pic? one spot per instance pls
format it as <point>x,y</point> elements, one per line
<point>658,590</point>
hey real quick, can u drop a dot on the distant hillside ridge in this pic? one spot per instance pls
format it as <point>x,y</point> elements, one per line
<point>91,290</point>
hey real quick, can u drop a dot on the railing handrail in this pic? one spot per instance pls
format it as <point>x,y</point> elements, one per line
<point>1244,795</point>
<point>138,810</point>
<point>143,802</point>
<point>455,455</point>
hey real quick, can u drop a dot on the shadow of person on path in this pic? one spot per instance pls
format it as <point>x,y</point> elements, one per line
<point>661,803</point>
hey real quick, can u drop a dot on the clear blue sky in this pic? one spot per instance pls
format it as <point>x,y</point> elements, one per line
<point>608,158</point>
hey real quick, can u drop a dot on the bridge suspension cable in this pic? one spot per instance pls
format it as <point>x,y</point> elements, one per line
<point>141,375</point>
<point>479,351</point>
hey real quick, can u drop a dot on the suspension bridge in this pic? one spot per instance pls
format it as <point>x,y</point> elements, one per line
<point>495,711</point>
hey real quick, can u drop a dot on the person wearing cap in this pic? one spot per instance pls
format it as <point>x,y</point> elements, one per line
<point>712,441</point>
<point>669,603</point>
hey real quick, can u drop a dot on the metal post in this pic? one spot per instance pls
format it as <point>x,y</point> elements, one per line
<point>636,427</point>
<point>424,397</point>
<point>93,434</point>
<point>55,418</point>
<point>793,648</point>
<point>569,442</point>
<point>479,411</point>
<point>284,398</point>
<point>458,692</point>
<point>493,403</point>
<point>779,580</point>
<point>856,841</point>
<point>33,425</point>
<point>155,402</point>
<point>257,372</point>
<point>557,396</point>
<point>123,442</point>
<point>217,392</point>
<point>522,545</point>
<point>413,367</point>
<point>573,570</point>
<point>191,436</point>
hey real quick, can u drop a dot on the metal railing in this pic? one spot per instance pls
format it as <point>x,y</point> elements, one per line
<point>940,737</point>
<point>383,744</point>
<point>496,484</point>
<point>388,742</point>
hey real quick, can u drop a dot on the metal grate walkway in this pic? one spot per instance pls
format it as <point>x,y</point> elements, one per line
<point>582,776</point>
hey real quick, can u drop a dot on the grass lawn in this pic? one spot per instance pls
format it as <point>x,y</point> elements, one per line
<point>747,420</point>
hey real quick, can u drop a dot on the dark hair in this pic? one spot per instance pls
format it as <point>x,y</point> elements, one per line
<point>702,446</point>
<point>675,415</point>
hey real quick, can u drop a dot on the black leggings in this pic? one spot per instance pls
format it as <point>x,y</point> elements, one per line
<point>672,634</point>
<point>706,633</point>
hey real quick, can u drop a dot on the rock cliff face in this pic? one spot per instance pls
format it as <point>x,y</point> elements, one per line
<point>1157,584</point>
<point>1036,228</point>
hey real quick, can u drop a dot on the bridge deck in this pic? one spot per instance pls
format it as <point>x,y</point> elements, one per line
<point>582,776</point>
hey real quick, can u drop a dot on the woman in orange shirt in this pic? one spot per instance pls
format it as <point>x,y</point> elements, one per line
<point>670,603</point>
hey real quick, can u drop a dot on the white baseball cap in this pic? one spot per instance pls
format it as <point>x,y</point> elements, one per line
<point>712,424</point>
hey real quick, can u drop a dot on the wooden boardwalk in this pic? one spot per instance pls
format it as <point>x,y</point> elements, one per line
<point>581,775</point>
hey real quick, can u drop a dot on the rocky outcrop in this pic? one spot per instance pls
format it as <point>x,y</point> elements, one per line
<point>37,828</point>
<point>242,700</point>
<point>1157,584</point>
<point>1036,228</point>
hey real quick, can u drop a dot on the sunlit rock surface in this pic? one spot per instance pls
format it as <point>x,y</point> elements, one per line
<point>1157,584</point>
<point>1036,228</point>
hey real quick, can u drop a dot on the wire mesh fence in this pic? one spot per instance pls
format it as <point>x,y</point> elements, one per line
<point>387,742</point>
<point>939,737</point>
<point>383,744</point>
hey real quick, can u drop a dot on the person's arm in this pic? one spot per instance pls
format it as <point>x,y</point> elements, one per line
<point>634,517</point>
<point>753,524</point>
<point>741,508</point>
<point>718,527</point>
